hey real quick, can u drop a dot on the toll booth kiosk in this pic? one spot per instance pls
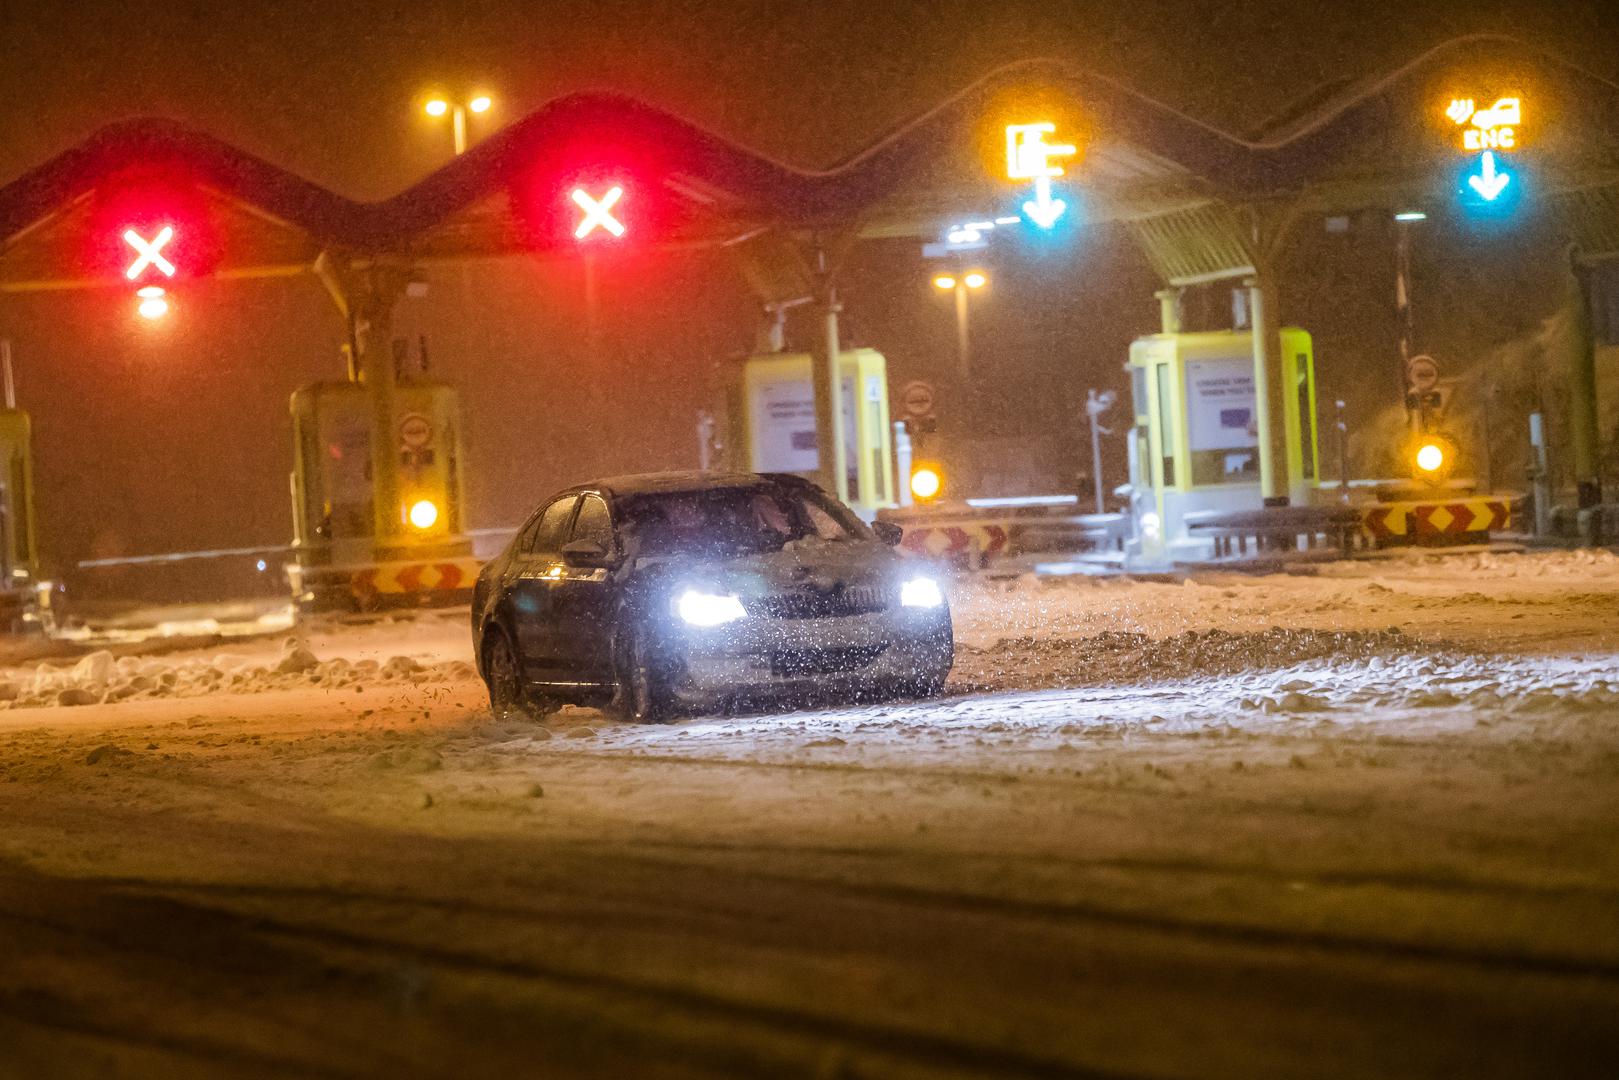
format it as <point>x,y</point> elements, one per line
<point>1195,443</point>
<point>338,560</point>
<point>770,414</point>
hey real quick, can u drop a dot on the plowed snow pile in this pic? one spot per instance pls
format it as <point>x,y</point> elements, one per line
<point>100,677</point>
<point>1023,634</point>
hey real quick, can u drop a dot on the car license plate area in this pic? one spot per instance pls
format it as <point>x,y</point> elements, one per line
<point>798,663</point>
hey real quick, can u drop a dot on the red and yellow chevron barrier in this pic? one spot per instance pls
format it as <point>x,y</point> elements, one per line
<point>438,575</point>
<point>974,541</point>
<point>1435,520</point>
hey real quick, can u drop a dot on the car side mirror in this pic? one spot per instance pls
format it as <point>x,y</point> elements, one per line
<point>888,532</point>
<point>584,553</point>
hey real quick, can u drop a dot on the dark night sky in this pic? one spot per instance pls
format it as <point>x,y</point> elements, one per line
<point>157,446</point>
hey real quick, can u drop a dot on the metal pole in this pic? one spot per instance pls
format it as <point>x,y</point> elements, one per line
<point>458,123</point>
<point>1402,306</point>
<point>834,390</point>
<point>1582,396</point>
<point>902,462</point>
<point>826,376</point>
<point>1269,399</point>
<point>1343,454</point>
<point>5,362</point>
<point>705,440</point>
<point>963,339</point>
<point>377,369</point>
<point>1169,310</point>
<point>1096,459</point>
<point>1540,475</point>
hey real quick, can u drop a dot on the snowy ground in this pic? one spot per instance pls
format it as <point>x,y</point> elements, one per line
<point>1363,822</point>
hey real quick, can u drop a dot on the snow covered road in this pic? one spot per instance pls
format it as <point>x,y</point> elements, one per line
<point>1358,823</point>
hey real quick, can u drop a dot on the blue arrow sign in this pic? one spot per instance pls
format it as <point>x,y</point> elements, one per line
<point>1489,182</point>
<point>1044,210</point>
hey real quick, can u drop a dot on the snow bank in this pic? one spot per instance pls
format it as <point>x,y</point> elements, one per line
<point>100,677</point>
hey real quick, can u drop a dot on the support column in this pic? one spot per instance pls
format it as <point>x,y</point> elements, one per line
<point>380,290</point>
<point>1169,310</point>
<point>1270,399</point>
<point>834,473</point>
<point>1584,434</point>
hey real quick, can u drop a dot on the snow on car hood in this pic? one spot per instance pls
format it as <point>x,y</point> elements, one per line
<point>808,564</point>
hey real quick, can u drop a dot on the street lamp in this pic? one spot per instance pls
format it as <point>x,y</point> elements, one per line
<point>971,281</point>
<point>457,112</point>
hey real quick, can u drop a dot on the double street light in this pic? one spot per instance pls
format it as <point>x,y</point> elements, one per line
<point>438,107</point>
<point>960,286</point>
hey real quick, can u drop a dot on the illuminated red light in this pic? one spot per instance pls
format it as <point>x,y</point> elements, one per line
<point>149,253</point>
<point>598,212</point>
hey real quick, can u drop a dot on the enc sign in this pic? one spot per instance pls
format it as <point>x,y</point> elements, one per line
<point>1486,132</point>
<point>1493,128</point>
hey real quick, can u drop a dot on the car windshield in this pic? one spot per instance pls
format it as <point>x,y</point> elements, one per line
<point>735,519</point>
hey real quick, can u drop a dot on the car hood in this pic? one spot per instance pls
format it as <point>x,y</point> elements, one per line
<point>811,564</point>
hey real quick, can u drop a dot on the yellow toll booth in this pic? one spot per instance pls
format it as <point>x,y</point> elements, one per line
<point>1195,443</point>
<point>338,560</point>
<point>770,411</point>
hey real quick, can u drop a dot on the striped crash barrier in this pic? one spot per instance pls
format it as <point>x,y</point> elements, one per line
<point>1436,520</point>
<point>974,543</point>
<point>402,578</point>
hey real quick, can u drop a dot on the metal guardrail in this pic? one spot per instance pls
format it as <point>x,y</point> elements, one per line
<point>1279,529</point>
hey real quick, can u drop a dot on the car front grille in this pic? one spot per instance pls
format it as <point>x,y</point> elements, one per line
<point>824,603</point>
<point>795,663</point>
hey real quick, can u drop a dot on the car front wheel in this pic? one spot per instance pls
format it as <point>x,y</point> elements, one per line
<point>501,675</point>
<point>639,696</point>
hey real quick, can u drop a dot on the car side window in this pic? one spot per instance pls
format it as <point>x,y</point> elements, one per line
<point>594,523</point>
<point>548,531</point>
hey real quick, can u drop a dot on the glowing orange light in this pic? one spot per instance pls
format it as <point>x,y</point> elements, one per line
<point>976,280</point>
<point>925,482</point>
<point>944,281</point>
<point>479,104</point>
<point>152,304</point>
<point>424,514</point>
<point>149,252</point>
<point>437,107</point>
<point>598,212</point>
<point>1028,155</point>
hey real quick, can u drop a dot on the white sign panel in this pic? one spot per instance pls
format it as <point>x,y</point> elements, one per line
<point>784,427</point>
<point>783,415</point>
<point>1221,407</point>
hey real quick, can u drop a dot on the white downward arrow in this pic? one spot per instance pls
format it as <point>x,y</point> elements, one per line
<point>1489,183</point>
<point>1043,210</point>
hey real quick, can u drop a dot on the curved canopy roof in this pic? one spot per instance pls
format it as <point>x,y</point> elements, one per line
<point>1376,138</point>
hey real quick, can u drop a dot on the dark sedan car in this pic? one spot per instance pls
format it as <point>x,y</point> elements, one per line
<point>652,594</point>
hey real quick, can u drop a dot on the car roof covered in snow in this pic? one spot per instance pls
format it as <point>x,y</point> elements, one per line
<point>689,480</point>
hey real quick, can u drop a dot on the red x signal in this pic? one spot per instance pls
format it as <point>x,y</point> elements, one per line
<point>598,212</point>
<point>149,252</point>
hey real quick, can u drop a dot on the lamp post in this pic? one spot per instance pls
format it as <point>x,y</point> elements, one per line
<point>457,112</point>
<point>960,286</point>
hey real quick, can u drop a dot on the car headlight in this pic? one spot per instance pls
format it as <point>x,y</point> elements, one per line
<point>697,608</point>
<point>920,592</point>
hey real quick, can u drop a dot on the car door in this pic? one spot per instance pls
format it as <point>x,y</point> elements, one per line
<point>586,598</point>
<point>532,579</point>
